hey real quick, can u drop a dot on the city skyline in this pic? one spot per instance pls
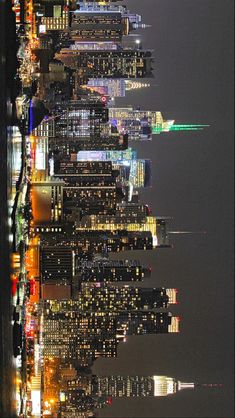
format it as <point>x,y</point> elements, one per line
<point>193,98</point>
<point>95,171</point>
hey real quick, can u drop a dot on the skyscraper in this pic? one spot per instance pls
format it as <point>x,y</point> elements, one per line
<point>132,386</point>
<point>132,171</point>
<point>98,25</point>
<point>108,64</point>
<point>139,124</point>
<point>142,124</point>
<point>99,297</point>
<point>89,187</point>
<point>131,222</point>
<point>114,87</point>
<point>107,270</point>
<point>56,265</point>
<point>69,332</point>
<point>97,391</point>
<point>87,243</point>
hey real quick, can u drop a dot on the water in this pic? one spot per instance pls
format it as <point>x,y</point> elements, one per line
<point>7,362</point>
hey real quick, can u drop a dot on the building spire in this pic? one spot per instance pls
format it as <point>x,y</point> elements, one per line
<point>183,385</point>
<point>133,85</point>
<point>188,127</point>
<point>187,232</point>
<point>141,26</point>
<point>211,385</point>
<point>169,126</point>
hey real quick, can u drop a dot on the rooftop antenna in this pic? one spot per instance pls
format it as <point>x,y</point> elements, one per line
<point>187,232</point>
<point>177,128</point>
<point>210,385</point>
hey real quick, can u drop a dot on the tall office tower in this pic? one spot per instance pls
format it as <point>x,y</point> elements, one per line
<point>73,144</point>
<point>99,297</point>
<point>129,223</point>
<point>129,213</point>
<point>88,243</point>
<point>98,26</point>
<point>103,25</point>
<point>68,334</point>
<point>134,20</point>
<point>108,64</point>
<point>114,88</point>
<point>134,386</point>
<point>93,170</point>
<point>87,393</point>
<point>146,322</point>
<point>132,171</point>
<point>56,18</point>
<point>89,186</point>
<point>139,124</point>
<point>47,193</point>
<point>106,270</point>
<point>74,334</point>
<point>98,6</point>
<point>85,117</point>
<point>136,173</point>
<point>107,86</point>
<point>125,155</point>
<point>94,46</point>
<point>56,265</point>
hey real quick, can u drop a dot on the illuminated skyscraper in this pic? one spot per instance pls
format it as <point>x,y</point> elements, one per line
<point>132,386</point>
<point>98,25</point>
<point>99,297</point>
<point>132,171</point>
<point>90,391</point>
<point>102,23</point>
<point>134,85</point>
<point>87,243</point>
<point>125,155</point>
<point>129,223</point>
<point>107,270</point>
<point>72,145</point>
<point>56,18</point>
<point>114,88</point>
<point>107,86</point>
<point>86,117</point>
<point>56,265</point>
<point>136,173</point>
<point>72,333</point>
<point>108,64</point>
<point>89,186</point>
<point>141,124</point>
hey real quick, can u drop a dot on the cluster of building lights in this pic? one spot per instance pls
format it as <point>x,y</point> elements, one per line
<point>85,198</point>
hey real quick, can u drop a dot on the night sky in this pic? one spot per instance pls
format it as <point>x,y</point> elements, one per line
<point>193,182</point>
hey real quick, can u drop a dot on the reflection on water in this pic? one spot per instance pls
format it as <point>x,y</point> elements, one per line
<point>16,160</point>
<point>15,157</point>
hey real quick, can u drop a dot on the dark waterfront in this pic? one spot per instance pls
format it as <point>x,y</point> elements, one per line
<point>6,354</point>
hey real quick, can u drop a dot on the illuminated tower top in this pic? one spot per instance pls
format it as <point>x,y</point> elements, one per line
<point>124,220</point>
<point>132,386</point>
<point>164,386</point>
<point>101,389</point>
<point>134,85</point>
<point>142,124</point>
<point>170,126</point>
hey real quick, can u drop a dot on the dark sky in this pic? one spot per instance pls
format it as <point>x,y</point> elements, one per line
<point>193,182</point>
